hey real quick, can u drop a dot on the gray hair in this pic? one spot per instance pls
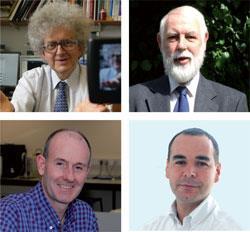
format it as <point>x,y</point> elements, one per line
<point>52,135</point>
<point>197,132</point>
<point>193,11</point>
<point>54,15</point>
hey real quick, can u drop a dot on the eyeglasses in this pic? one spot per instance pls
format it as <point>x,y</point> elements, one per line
<point>67,44</point>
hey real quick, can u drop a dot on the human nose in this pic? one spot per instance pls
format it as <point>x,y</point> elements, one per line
<point>189,171</point>
<point>69,174</point>
<point>182,44</point>
<point>59,48</point>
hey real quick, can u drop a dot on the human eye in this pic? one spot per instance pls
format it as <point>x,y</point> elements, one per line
<point>68,43</point>
<point>190,37</point>
<point>180,162</point>
<point>202,164</point>
<point>59,163</point>
<point>81,168</point>
<point>172,38</point>
<point>51,45</point>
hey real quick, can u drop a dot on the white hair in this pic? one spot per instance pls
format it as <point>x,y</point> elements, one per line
<point>183,74</point>
<point>54,15</point>
<point>192,11</point>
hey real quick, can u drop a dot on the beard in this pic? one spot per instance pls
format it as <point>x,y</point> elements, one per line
<point>182,74</point>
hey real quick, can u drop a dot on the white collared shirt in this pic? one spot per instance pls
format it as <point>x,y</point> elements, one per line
<point>207,216</point>
<point>36,90</point>
<point>191,87</point>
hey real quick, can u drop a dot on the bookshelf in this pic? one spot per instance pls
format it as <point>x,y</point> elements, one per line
<point>19,11</point>
<point>14,24</point>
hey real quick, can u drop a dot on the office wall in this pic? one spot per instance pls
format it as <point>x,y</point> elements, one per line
<point>104,136</point>
<point>16,40</point>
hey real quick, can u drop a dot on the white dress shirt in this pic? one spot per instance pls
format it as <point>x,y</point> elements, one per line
<point>207,216</point>
<point>36,89</point>
<point>191,93</point>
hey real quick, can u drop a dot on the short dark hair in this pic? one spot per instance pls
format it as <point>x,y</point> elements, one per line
<point>48,141</point>
<point>197,132</point>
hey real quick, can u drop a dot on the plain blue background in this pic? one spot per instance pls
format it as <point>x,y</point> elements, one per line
<point>150,194</point>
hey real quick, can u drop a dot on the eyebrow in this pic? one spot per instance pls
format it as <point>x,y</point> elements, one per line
<point>177,33</point>
<point>60,159</point>
<point>63,160</point>
<point>175,157</point>
<point>202,158</point>
<point>192,32</point>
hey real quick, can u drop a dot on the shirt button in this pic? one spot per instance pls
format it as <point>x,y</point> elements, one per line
<point>51,227</point>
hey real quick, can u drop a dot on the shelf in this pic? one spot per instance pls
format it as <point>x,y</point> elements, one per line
<point>6,22</point>
<point>107,22</point>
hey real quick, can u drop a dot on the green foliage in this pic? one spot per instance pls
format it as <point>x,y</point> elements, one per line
<point>227,59</point>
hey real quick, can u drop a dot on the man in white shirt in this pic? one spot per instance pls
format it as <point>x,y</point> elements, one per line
<point>60,86</point>
<point>41,83</point>
<point>192,169</point>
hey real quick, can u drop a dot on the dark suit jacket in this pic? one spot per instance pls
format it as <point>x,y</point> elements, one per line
<point>154,96</point>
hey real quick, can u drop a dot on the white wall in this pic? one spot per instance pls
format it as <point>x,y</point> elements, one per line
<point>104,136</point>
<point>15,38</point>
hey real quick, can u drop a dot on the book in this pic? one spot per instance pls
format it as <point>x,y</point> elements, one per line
<point>41,4</point>
<point>91,8</point>
<point>6,7</point>
<point>111,8</point>
<point>31,10</point>
<point>84,8</point>
<point>21,10</point>
<point>107,7</point>
<point>18,2</point>
<point>115,11</point>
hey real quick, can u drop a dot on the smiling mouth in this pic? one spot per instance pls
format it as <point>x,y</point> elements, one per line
<point>62,60</point>
<point>187,186</point>
<point>63,186</point>
<point>182,60</point>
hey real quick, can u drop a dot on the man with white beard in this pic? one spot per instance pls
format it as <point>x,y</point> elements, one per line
<point>182,41</point>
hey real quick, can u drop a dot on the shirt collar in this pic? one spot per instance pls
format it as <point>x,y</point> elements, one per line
<point>72,80</point>
<point>48,213</point>
<point>70,214</point>
<point>191,85</point>
<point>199,213</point>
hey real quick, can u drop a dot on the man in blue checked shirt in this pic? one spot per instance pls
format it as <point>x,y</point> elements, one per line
<point>52,205</point>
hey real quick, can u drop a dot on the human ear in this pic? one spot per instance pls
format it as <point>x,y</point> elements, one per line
<point>80,50</point>
<point>40,163</point>
<point>42,55</point>
<point>206,36</point>
<point>167,169</point>
<point>218,171</point>
<point>159,40</point>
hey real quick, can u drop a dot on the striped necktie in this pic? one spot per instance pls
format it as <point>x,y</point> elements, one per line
<point>182,102</point>
<point>61,104</point>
